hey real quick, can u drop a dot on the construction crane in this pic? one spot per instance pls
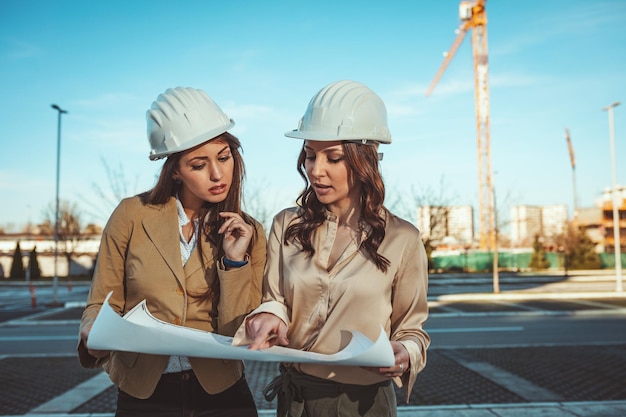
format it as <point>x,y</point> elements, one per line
<point>474,17</point>
<point>572,159</point>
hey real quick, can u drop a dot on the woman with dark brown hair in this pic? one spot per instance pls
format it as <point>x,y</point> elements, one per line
<point>338,262</point>
<point>188,249</point>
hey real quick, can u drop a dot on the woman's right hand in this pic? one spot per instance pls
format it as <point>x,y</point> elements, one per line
<point>84,335</point>
<point>266,330</point>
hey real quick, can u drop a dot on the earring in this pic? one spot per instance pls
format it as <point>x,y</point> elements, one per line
<point>177,181</point>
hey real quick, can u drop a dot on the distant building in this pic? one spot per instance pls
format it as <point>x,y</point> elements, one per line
<point>83,258</point>
<point>605,202</point>
<point>527,222</point>
<point>447,225</point>
<point>554,220</point>
<point>589,220</point>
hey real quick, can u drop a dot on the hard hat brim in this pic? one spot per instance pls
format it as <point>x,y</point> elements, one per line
<point>205,137</point>
<point>323,137</point>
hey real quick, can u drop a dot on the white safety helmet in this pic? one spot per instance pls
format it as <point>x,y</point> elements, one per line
<point>344,110</point>
<point>182,118</point>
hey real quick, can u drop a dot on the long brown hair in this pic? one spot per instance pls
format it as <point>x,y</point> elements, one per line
<point>362,162</point>
<point>209,219</point>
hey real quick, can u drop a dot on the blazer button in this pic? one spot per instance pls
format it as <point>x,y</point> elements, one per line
<point>179,291</point>
<point>177,321</point>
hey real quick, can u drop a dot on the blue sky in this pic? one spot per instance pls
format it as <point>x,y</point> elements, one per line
<point>553,65</point>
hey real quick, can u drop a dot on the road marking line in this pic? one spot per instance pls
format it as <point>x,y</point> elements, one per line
<point>514,383</point>
<point>34,338</point>
<point>477,329</point>
<point>75,397</point>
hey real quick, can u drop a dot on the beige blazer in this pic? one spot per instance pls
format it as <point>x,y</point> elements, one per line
<point>139,259</point>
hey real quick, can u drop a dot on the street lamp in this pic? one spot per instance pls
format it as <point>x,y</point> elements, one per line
<point>616,220</point>
<point>55,281</point>
<point>494,231</point>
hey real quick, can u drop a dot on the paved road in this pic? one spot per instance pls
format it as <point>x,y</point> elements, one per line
<point>502,356</point>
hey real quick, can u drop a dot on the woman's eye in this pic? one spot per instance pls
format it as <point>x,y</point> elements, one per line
<point>224,158</point>
<point>198,167</point>
<point>310,157</point>
<point>335,160</point>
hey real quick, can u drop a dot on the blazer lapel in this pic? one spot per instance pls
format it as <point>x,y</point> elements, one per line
<point>162,229</point>
<point>195,262</point>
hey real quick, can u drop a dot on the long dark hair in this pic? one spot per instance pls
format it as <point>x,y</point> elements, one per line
<point>362,161</point>
<point>209,219</point>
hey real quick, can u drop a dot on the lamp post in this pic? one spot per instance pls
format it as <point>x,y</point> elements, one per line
<point>616,220</point>
<point>496,272</point>
<point>55,281</point>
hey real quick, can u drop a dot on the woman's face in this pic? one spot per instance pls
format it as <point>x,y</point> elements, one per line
<point>206,173</point>
<point>329,174</point>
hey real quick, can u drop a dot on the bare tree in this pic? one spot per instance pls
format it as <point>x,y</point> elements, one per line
<point>117,187</point>
<point>47,227</point>
<point>92,229</point>
<point>577,249</point>
<point>258,204</point>
<point>436,200</point>
<point>70,228</point>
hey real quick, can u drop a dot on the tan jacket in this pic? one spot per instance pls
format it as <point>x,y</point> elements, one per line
<point>139,259</point>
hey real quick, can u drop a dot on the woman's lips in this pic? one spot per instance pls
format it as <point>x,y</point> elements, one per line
<point>321,189</point>
<point>218,189</point>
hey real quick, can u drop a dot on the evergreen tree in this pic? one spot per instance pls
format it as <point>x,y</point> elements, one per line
<point>582,253</point>
<point>17,268</point>
<point>429,251</point>
<point>33,265</point>
<point>539,260</point>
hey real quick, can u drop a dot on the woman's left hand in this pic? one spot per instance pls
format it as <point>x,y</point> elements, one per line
<point>402,362</point>
<point>237,236</point>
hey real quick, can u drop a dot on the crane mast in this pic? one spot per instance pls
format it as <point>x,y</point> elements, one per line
<point>481,79</point>
<point>572,159</point>
<point>473,16</point>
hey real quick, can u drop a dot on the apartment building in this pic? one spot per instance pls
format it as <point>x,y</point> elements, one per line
<point>529,221</point>
<point>605,202</point>
<point>451,225</point>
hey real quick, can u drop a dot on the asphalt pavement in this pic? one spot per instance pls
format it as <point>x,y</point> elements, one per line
<point>533,380</point>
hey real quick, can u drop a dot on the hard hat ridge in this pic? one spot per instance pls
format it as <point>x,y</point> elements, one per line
<point>181,118</point>
<point>344,110</point>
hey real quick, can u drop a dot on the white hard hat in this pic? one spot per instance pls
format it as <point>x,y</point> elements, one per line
<point>182,118</point>
<point>344,110</point>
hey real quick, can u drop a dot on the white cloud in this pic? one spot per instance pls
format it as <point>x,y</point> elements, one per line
<point>585,17</point>
<point>105,101</point>
<point>455,86</point>
<point>16,181</point>
<point>573,21</point>
<point>20,49</point>
<point>512,79</point>
<point>248,111</point>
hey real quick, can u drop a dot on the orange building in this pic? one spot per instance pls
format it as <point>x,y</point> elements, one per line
<point>608,221</point>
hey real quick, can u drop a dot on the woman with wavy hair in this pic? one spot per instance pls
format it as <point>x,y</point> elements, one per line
<point>340,261</point>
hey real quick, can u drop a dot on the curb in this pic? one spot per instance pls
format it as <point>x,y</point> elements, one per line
<point>528,296</point>
<point>605,408</point>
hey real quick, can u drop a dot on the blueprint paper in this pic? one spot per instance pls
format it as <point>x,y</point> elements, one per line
<point>140,331</point>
